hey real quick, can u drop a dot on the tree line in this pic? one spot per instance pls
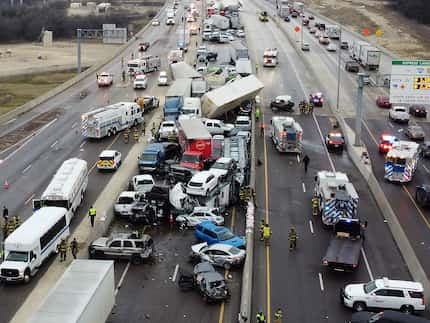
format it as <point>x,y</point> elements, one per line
<point>418,10</point>
<point>25,23</point>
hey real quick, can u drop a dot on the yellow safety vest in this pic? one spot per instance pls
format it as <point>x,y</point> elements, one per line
<point>92,211</point>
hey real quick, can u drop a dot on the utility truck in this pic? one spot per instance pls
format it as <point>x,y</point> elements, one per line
<point>107,121</point>
<point>144,64</point>
<point>370,57</point>
<point>337,197</point>
<point>286,134</point>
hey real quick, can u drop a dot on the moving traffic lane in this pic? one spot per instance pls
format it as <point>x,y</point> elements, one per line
<point>298,277</point>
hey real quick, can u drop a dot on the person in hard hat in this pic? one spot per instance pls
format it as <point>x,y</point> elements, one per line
<point>5,226</point>
<point>92,214</point>
<point>315,205</point>
<point>16,221</point>
<point>267,233</point>
<point>126,135</point>
<point>257,114</point>
<point>262,129</point>
<point>74,247</point>
<point>62,249</point>
<point>136,135</point>
<point>292,238</point>
<point>278,316</point>
<point>260,317</point>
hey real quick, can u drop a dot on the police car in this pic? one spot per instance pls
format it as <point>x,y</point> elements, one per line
<point>386,143</point>
<point>335,140</point>
<point>316,99</point>
<point>109,160</point>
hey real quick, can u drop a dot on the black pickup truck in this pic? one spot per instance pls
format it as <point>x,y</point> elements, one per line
<point>343,252</point>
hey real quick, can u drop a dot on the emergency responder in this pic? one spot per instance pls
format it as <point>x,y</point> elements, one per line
<point>292,238</point>
<point>5,212</point>
<point>123,75</point>
<point>257,113</point>
<point>153,131</point>
<point>10,227</point>
<point>62,249</point>
<point>92,214</point>
<point>267,232</point>
<point>74,247</point>
<point>16,221</point>
<point>5,226</point>
<point>315,205</point>
<point>126,135</point>
<point>144,127</point>
<point>136,135</point>
<point>260,317</point>
<point>278,316</point>
<point>262,129</point>
<point>261,227</point>
<point>306,161</point>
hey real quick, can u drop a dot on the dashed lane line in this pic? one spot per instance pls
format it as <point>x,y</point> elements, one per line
<point>121,280</point>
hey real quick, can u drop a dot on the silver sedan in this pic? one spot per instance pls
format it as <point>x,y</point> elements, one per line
<point>415,133</point>
<point>218,254</point>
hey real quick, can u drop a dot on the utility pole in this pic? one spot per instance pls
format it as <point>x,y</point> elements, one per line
<point>301,33</point>
<point>338,70</point>
<point>78,37</point>
<point>359,114</point>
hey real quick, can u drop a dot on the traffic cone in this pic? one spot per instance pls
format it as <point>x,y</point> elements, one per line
<point>6,184</point>
<point>171,219</point>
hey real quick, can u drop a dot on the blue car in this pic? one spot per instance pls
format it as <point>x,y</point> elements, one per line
<point>211,233</point>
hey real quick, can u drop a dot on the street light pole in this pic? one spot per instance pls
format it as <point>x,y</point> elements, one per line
<point>301,33</point>
<point>78,36</point>
<point>359,114</point>
<point>338,71</point>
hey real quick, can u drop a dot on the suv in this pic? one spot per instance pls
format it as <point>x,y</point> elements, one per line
<point>386,317</point>
<point>124,203</point>
<point>131,246</point>
<point>217,127</point>
<point>202,183</point>
<point>384,293</point>
<point>399,114</point>
<point>109,160</point>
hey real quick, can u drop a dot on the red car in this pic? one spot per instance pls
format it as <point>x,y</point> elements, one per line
<point>316,99</point>
<point>386,143</point>
<point>383,102</point>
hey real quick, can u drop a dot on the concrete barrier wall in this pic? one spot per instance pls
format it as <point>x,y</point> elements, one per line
<point>61,88</point>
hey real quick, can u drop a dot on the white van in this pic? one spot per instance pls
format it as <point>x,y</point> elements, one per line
<point>67,187</point>
<point>32,243</point>
<point>192,107</point>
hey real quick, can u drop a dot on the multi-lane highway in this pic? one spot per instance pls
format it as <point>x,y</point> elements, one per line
<point>296,282</point>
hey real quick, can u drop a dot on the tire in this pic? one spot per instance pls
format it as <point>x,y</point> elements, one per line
<point>109,133</point>
<point>113,131</point>
<point>136,260</point>
<point>92,253</point>
<point>359,306</point>
<point>227,266</point>
<point>27,276</point>
<point>407,309</point>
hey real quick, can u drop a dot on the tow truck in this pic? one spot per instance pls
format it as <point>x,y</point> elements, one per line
<point>386,143</point>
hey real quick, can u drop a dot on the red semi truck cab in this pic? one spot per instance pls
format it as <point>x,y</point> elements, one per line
<point>196,143</point>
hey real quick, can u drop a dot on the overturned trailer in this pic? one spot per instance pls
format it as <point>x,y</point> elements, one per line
<point>182,70</point>
<point>228,97</point>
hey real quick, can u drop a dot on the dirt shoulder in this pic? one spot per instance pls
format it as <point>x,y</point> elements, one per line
<point>402,36</point>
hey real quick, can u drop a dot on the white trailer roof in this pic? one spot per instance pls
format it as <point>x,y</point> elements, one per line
<point>229,96</point>
<point>194,129</point>
<point>34,227</point>
<point>64,181</point>
<point>180,87</point>
<point>183,70</point>
<point>68,300</point>
<point>403,149</point>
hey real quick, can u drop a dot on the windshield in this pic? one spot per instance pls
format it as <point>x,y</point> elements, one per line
<point>190,158</point>
<point>125,200</point>
<point>21,256</point>
<point>106,158</point>
<point>144,182</point>
<point>149,157</point>
<point>188,111</point>
<point>57,203</point>
<point>226,236</point>
<point>195,184</point>
<point>397,160</point>
<point>244,122</point>
<point>220,165</point>
<point>133,65</point>
<point>369,287</point>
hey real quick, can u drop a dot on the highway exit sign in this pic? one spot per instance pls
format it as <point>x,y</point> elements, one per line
<point>410,82</point>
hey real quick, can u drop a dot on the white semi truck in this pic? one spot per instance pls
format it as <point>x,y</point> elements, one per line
<point>286,134</point>
<point>144,64</point>
<point>333,31</point>
<point>67,187</point>
<point>356,48</point>
<point>370,57</point>
<point>298,6</point>
<point>107,121</point>
<point>283,8</point>
<point>337,197</point>
<point>85,293</point>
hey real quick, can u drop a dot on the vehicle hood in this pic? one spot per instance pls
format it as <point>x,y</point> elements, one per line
<point>100,242</point>
<point>235,242</point>
<point>354,289</point>
<point>218,172</point>
<point>19,265</point>
<point>228,126</point>
<point>198,247</point>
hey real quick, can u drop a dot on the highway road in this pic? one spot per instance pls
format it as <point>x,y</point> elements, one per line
<point>297,282</point>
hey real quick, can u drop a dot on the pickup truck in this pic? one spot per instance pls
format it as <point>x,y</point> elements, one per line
<point>131,246</point>
<point>344,249</point>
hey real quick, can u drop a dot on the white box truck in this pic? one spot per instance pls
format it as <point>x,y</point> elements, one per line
<point>283,9</point>
<point>356,49</point>
<point>299,7</point>
<point>370,57</point>
<point>333,31</point>
<point>84,294</point>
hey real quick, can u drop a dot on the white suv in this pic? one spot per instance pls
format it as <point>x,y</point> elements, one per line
<point>399,114</point>
<point>202,183</point>
<point>384,293</point>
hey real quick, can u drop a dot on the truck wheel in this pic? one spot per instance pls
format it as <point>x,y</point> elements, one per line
<point>359,306</point>
<point>109,133</point>
<point>113,131</point>
<point>136,260</point>
<point>135,123</point>
<point>227,266</point>
<point>27,276</point>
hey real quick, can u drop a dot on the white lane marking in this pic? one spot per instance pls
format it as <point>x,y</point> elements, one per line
<point>304,187</point>
<point>54,143</point>
<point>400,130</point>
<point>8,122</point>
<point>298,158</point>
<point>321,281</point>
<point>323,144</point>
<point>74,125</point>
<point>82,144</point>
<point>426,169</point>
<point>367,263</point>
<point>30,138</point>
<point>175,273</point>
<point>26,169</point>
<point>311,226</point>
<point>29,199</point>
<point>390,124</point>
<point>121,280</point>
